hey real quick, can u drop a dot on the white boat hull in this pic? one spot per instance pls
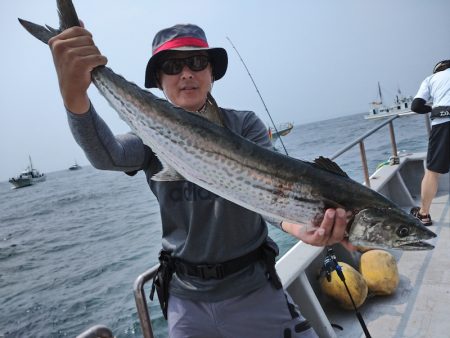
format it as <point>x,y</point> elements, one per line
<point>385,115</point>
<point>25,182</point>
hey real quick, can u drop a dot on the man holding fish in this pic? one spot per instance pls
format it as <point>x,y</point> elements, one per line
<point>217,181</point>
<point>220,253</point>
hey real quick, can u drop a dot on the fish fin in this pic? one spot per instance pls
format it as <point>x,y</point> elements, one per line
<point>167,174</point>
<point>67,18</point>
<point>329,165</point>
<point>51,29</point>
<point>39,32</point>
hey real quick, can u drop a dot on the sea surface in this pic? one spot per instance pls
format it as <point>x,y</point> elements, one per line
<point>71,247</point>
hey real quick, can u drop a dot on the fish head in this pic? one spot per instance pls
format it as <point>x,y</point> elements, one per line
<point>389,228</point>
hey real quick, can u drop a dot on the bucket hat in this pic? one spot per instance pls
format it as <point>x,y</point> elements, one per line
<point>183,37</point>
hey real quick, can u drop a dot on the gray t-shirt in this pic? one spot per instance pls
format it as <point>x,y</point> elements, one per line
<point>198,226</point>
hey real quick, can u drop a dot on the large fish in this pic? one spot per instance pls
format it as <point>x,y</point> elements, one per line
<point>269,183</point>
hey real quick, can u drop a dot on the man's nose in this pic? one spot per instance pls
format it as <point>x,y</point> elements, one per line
<point>186,72</point>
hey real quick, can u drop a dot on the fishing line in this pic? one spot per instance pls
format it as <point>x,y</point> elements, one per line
<point>330,263</point>
<point>257,90</point>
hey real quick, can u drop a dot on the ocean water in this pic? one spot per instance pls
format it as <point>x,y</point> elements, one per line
<point>71,247</point>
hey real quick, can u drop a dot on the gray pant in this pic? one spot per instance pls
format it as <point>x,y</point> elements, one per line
<point>264,313</point>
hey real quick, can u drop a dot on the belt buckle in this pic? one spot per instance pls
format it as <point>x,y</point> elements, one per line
<point>208,271</point>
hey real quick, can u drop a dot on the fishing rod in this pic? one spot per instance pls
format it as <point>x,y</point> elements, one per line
<point>257,90</point>
<point>331,264</point>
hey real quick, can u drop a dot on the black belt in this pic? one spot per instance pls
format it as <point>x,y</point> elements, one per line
<point>219,270</point>
<point>440,111</point>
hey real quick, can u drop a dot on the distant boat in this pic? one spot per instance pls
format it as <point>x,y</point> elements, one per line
<point>75,166</point>
<point>400,106</point>
<point>281,130</point>
<point>27,177</point>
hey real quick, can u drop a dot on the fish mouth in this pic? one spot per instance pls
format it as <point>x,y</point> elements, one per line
<point>415,245</point>
<point>418,244</point>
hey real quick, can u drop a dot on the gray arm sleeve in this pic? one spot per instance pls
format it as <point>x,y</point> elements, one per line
<point>104,150</point>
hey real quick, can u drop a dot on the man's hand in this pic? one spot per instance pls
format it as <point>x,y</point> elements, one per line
<point>75,55</point>
<point>331,230</point>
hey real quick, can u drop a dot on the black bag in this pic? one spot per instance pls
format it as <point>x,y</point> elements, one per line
<point>270,252</point>
<point>162,279</point>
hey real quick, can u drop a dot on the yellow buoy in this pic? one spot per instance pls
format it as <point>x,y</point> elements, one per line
<point>363,249</point>
<point>379,269</point>
<point>336,288</point>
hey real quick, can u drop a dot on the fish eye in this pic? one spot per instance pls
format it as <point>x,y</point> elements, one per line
<point>403,231</point>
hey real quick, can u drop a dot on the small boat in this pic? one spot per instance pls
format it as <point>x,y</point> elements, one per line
<point>400,106</point>
<point>27,177</point>
<point>281,130</point>
<point>75,166</point>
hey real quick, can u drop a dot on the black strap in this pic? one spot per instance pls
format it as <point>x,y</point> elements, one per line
<point>265,252</point>
<point>269,258</point>
<point>169,264</point>
<point>441,111</point>
<point>161,281</point>
<point>220,270</point>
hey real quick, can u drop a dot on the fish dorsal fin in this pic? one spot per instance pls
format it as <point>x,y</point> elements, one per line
<point>329,165</point>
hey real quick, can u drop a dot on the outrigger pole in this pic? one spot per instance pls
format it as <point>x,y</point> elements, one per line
<point>257,90</point>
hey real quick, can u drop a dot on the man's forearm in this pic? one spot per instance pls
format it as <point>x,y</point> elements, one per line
<point>103,149</point>
<point>419,106</point>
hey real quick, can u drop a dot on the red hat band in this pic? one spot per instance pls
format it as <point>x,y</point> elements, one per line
<point>181,42</point>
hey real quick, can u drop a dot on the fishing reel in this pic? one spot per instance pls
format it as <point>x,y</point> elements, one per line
<point>330,264</point>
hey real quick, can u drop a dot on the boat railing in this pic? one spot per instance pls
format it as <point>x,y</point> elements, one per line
<point>141,300</point>
<point>362,150</point>
<point>141,306</point>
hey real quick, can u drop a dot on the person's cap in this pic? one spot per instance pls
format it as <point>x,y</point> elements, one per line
<point>183,37</point>
<point>441,65</point>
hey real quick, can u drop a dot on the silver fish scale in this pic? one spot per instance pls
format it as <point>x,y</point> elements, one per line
<point>204,162</point>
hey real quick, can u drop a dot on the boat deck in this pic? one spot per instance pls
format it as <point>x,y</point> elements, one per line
<point>420,306</point>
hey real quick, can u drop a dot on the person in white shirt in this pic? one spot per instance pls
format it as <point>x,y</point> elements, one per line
<point>436,89</point>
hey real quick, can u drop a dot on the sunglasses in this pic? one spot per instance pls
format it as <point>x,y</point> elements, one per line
<point>195,63</point>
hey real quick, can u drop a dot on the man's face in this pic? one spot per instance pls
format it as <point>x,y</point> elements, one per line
<point>189,88</point>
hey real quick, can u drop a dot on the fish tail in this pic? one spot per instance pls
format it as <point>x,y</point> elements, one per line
<point>67,18</point>
<point>39,32</point>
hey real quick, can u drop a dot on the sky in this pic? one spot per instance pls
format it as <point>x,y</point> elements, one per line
<point>311,61</point>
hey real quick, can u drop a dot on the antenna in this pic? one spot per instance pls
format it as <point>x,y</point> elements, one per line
<point>257,90</point>
<point>379,93</point>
